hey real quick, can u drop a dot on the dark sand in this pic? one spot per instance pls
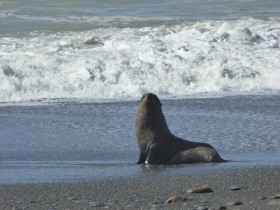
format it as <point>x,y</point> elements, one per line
<point>259,188</point>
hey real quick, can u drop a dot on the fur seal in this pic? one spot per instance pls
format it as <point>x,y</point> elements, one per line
<point>159,146</point>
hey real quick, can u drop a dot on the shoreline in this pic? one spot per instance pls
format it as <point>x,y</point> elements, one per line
<point>255,188</point>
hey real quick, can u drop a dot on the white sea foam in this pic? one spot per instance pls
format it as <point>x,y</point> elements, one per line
<point>113,64</point>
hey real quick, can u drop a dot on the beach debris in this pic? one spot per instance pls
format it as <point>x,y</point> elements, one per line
<point>175,199</point>
<point>235,188</point>
<point>96,203</point>
<point>234,203</point>
<point>199,190</point>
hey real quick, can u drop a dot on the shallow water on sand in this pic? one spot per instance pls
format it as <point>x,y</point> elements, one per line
<point>70,141</point>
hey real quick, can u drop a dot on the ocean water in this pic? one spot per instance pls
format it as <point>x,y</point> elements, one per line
<point>71,73</point>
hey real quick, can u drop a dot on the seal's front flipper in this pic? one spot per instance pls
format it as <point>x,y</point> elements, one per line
<point>154,157</point>
<point>142,159</point>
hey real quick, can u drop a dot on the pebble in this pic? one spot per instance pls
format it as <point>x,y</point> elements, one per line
<point>16,208</point>
<point>276,196</point>
<point>96,204</point>
<point>132,204</point>
<point>205,201</point>
<point>113,201</point>
<point>200,190</point>
<point>235,188</point>
<point>234,203</point>
<point>81,201</point>
<point>157,206</point>
<point>275,202</point>
<point>72,198</point>
<point>222,207</point>
<point>202,208</point>
<point>174,199</point>
<point>185,204</point>
<point>262,198</point>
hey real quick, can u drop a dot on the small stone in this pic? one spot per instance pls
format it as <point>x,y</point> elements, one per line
<point>222,207</point>
<point>96,204</point>
<point>132,204</point>
<point>157,208</point>
<point>202,208</point>
<point>234,203</point>
<point>276,196</point>
<point>185,204</point>
<point>174,199</point>
<point>81,201</point>
<point>275,202</point>
<point>16,208</point>
<point>199,190</point>
<point>157,205</point>
<point>235,188</point>
<point>206,201</point>
<point>113,201</point>
<point>72,198</point>
<point>262,198</point>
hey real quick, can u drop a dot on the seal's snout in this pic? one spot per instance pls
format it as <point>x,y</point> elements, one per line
<point>147,96</point>
<point>150,98</point>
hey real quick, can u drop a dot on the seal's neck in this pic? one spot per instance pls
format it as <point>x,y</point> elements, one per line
<point>152,120</point>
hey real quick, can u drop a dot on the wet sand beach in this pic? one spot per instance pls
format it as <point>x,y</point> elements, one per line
<point>244,188</point>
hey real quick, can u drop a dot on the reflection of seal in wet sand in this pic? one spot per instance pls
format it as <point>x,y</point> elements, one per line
<point>158,145</point>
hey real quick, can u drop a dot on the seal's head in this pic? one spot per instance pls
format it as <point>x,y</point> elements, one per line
<point>149,115</point>
<point>150,103</point>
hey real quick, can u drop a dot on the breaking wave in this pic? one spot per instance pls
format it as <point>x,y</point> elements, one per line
<point>116,64</point>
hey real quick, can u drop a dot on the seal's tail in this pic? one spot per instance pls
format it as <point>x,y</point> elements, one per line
<point>219,159</point>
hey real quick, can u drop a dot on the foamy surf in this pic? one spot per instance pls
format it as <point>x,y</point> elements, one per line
<point>218,57</point>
